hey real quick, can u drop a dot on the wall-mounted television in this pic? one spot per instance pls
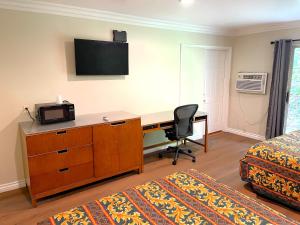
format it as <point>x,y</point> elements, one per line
<point>101,57</point>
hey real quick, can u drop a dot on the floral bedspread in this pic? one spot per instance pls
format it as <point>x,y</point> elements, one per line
<point>180,198</point>
<point>273,168</point>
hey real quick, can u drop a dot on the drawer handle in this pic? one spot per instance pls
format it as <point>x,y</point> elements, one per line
<point>118,123</point>
<point>61,132</point>
<point>62,151</point>
<point>64,170</point>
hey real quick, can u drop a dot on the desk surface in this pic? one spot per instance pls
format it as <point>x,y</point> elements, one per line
<point>159,117</point>
<point>31,128</point>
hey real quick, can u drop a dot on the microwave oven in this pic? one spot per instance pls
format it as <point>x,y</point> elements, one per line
<point>47,113</point>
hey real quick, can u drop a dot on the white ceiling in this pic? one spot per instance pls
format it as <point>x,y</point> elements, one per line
<point>228,14</point>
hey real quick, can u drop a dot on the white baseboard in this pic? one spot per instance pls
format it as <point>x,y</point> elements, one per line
<point>12,186</point>
<point>245,134</point>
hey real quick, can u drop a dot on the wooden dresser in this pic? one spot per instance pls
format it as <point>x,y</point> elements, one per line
<point>63,156</point>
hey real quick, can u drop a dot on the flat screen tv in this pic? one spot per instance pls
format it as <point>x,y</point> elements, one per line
<point>101,57</point>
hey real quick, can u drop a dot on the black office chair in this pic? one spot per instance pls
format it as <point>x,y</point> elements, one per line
<point>183,128</point>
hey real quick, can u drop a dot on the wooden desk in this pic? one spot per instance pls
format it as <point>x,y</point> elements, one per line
<point>164,120</point>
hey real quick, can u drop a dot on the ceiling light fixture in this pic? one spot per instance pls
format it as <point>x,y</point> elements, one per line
<point>186,2</point>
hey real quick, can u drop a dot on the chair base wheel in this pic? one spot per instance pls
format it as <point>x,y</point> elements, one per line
<point>174,162</point>
<point>160,155</point>
<point>189,151</point>
<point>194,160</point>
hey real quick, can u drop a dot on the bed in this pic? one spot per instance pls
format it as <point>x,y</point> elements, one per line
<point>180,198</point>
<point>272,167</point>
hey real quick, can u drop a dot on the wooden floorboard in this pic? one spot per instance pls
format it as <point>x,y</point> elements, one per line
<point>221,162</point>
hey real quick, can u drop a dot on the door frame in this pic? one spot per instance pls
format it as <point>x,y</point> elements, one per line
<point>226,83</point>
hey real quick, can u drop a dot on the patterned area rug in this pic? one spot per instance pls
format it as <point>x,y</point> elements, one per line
<point>181,198</point>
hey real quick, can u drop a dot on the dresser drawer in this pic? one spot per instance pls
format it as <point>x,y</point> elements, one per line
<point>61,177</point>
<point>48,162</point>
<point>59,140</point>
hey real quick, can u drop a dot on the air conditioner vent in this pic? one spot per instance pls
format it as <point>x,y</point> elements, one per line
<point>251,83</point>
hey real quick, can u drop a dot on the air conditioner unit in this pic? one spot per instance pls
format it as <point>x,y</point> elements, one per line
<point>254,83</point>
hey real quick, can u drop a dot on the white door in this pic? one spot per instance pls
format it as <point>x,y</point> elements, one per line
<point>214,73</point>
<point>202,82</point>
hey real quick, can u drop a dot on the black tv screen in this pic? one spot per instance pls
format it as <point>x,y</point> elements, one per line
<point>101,57</point>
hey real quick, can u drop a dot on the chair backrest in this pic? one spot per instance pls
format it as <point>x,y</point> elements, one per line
<point>183,118</point>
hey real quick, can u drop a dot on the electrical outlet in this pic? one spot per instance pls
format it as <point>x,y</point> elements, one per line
<point>27,111</point>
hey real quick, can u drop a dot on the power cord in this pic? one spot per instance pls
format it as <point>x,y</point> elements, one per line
<point>28,112</point>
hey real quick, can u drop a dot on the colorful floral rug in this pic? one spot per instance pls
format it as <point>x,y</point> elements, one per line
<point>181,198</point>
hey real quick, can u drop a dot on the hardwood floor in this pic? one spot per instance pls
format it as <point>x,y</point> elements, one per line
<point>221,162</point>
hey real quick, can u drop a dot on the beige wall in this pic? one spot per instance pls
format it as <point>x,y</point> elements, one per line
<point>253,53</point>
<point>37,64</point>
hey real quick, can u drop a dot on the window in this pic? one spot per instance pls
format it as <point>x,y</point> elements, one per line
<point>293,116</point>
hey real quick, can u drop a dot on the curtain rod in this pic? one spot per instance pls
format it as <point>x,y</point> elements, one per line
<point>273,42</point>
